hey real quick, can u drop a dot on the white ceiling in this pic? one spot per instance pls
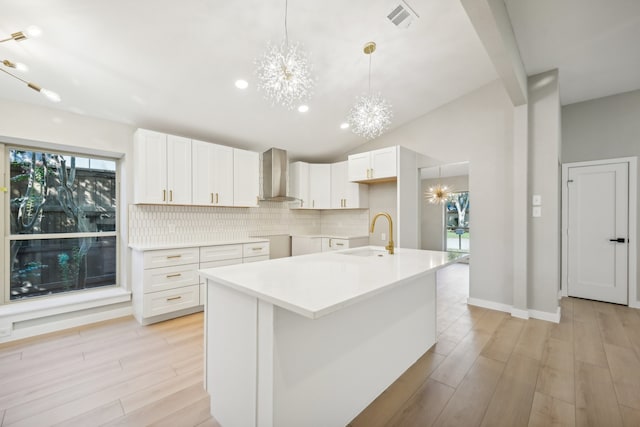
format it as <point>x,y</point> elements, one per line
<point>593,43</point>
<point>171,66</point>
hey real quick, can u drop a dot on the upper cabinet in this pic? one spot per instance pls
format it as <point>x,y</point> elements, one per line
<point>345,194</point>
<point>175,170</point>
<point>374,166</point>
<point>163,168</point>
<point>299,183</point>
<point>212,174</point>
<point>246,178</point>
<point>320,185</point>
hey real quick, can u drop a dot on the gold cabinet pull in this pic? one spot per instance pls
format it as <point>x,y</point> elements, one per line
<point>211,197</point>
<point>174,298</point>
<point>174,275</point>
<point>256,249</point>
<point>171,195</point>
<point>164,195</point>
<point>216,198</point>
<point>173,256</point>
<point>339,244</point>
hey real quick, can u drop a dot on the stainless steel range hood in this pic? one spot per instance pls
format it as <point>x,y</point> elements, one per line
<point>275,165</point>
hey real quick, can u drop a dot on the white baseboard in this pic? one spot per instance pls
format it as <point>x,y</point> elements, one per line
<point>545,315</point>
<point>515,312</point>
<point>634,304</point>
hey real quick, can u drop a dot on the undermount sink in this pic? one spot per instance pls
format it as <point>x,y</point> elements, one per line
<point>365,252</point>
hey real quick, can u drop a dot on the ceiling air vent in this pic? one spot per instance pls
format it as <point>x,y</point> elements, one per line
<point>402,15</point>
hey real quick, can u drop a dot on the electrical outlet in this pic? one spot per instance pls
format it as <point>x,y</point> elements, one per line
<point>5,331</point>
<point>383,236</point>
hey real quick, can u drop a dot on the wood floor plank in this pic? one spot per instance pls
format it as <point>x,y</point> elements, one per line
<point>557,371</point>
<point>443,346</point>
<point>625,373</point>
<point>98,416</point>
<point>160,409</point>
<point>384,407</point>
<point>504,340</point>
<point>630,416</point>
<point>460,360</point>
<point>612,330</point>
<point>211,422</point>
<point>630,320</point>
<point>531,342</point>
<point>583,311</point>
<point>488,323</point>
<point>587,345</point>
<point>549,412</point>
<point>511,403</point>
<point>192,415</point>
<point>596,403</point>
<point>423,408</point>
<point>564,329</point>
<point>468,404</point>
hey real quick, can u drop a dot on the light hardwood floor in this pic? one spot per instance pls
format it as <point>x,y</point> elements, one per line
<point>487,369</point>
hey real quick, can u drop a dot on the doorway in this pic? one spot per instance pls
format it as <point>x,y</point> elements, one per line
<point>598,215</point>
<point>456,212</point>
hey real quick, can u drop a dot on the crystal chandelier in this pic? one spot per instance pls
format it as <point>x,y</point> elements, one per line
<point>439,193</point>
<point>371,114</point>
<point>19,36</point>
<point>284,72</point>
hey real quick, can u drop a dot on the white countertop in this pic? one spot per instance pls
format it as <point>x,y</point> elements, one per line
<point>317,284</point>
<point>157,246</point>
<point>330,236</point>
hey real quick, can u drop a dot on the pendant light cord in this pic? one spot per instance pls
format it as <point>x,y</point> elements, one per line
<point>286,33</point>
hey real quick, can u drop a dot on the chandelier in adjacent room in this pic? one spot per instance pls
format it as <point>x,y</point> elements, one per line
<point>8,64</point>
<point>439,193</point>
<point>371,114</point>
<point>284,72</point>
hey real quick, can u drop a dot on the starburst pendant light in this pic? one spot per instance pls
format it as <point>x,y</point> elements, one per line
<point>371,115</point>
<point>439,193</point>
<point>7,64</point>
<point>284,72</point>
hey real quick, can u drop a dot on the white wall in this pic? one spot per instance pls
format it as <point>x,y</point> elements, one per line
<point>603,128</point>
<point>383,198</point>
<point>478,128</point>
<point>544,179</point>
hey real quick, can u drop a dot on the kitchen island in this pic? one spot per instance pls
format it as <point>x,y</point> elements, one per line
<point>312,340</point>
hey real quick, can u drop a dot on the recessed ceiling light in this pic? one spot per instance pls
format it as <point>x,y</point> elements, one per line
<point>242,84</point>
<point>344,125</point>
<point>303,108</point>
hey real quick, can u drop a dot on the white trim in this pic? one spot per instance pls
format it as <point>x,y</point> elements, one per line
<point>492,305</point>
<point>51,236</point>
<point>545,315</point>
<point>633,223</point>
<point>520,314</point>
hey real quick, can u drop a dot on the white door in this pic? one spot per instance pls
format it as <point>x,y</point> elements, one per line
<point>383,163</point>
<point>320,185</point>
<point>597,233</point>
<point>339,184</point>
<point>179,170</point>
<point>359,165</point>
<point>246,178</point>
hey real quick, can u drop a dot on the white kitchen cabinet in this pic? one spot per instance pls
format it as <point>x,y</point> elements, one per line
<point>372,166</point>
<point>246,178</point>
<point>299,183</point>
<point>320,185</point>
<point>162,168</point>
<point>336,243</point>
<point>346,194</point>
<point>302,245</point>
<point>212,174</point>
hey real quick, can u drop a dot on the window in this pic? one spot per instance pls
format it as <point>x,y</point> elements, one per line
<point>62,223</point>
<point>457,216</point>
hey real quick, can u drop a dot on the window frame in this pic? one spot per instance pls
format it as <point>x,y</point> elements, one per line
<point>5,148</point>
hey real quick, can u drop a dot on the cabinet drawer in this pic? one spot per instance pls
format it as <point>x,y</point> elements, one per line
<point>331,244</point>
<point>213,264</point>
<point>256,258</point>
<point>172,300</point>
<point>222,252</point>
<point>159,279</point>
<point>167,257</point>
<point>255,249</point>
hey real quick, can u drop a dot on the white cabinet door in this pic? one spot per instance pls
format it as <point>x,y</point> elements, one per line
<point>302,245</point>
<point>246,177</point>
<point>320,185</point>
<point>150,170</point>
<point>339,178</point>
<point>178,170</point>
<point>299,183</point>
<point>383,163</point>
<point>359,167</point>
<point>212,174</point>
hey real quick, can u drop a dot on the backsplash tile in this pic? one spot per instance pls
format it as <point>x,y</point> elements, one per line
<point>151,224</point>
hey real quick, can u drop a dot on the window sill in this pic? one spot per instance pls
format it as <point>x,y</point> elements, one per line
<point>43,307</point>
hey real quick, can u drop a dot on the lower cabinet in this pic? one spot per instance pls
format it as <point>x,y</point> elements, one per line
<point>166,283</point>
<point>301,245</point>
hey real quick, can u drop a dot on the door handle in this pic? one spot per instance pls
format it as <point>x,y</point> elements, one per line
<point>618,240</point>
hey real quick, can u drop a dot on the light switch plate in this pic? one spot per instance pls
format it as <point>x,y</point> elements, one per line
<point>536,200</point>
<point>537,211</point>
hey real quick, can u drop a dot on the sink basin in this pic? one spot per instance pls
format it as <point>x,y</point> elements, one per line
<point>365,252</point>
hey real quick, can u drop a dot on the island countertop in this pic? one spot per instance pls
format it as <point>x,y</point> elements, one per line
<point>315,285</point>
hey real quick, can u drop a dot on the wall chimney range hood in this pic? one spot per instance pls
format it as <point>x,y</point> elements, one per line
<point>275,165</point>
